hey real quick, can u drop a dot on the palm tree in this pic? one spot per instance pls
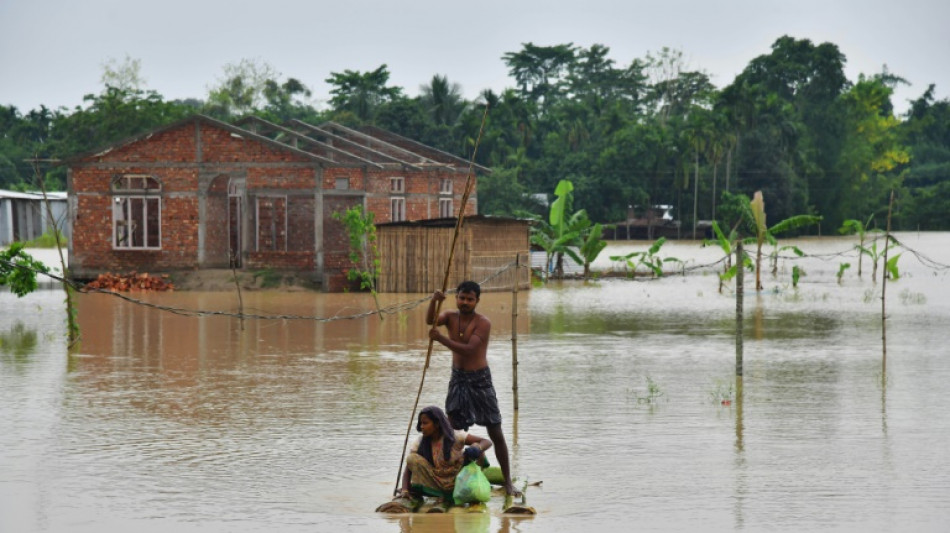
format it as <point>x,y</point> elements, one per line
<point>442,100</point>
<point>699,134</point>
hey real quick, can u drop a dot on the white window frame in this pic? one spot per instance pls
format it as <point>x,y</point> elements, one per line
<point>446,209</point>
<point>397,206</point>
<point>445,186</point>
<point>133,193</point>
<point>397,185</point>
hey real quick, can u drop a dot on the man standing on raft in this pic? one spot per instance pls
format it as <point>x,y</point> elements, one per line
<point>471,398</point>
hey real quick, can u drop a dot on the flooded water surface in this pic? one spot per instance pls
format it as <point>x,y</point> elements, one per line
<point>630,413</point>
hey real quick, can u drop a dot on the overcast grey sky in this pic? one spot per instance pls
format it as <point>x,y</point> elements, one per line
<point>52,51</point>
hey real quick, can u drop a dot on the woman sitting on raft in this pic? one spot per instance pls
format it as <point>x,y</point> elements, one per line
<point>436,457</point>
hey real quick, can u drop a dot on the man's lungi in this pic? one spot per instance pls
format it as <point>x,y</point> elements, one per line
<point>471,399</point>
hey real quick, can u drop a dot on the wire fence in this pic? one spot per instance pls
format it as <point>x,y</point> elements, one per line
<point>501,272</point>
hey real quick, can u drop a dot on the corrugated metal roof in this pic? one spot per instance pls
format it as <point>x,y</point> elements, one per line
<point>32,195</point>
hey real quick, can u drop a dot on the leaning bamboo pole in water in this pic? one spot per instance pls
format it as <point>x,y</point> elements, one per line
<point>469,182</point>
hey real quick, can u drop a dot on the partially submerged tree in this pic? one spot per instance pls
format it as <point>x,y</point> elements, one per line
<point>364,254</point>
<point>18,270</point>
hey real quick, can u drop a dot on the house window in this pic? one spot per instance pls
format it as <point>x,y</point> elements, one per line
<point>445,208</point>
<point>445,186</point>
<point>342,183</point>
<point>271,223</point>
<point>136,213</point>
<point>397,185</point>
<point>398,209</point>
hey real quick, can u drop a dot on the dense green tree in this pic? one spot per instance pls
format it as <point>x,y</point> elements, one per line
<point>810,79</point>
<point>925,201</point>
<point>107,118</point>
<point>539,71</point>
<point>21,139</point>
<point>286,101</point>
<point>655,131</point>
<point>500,193</point>
<point>407,117</point>
<point>868,168</point>
<point>361,93</point>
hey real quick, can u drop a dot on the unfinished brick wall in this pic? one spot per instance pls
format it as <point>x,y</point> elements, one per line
<point>421,193</point>
<point>299,194</point>
<point>92,223</point>
<point>175,158</point>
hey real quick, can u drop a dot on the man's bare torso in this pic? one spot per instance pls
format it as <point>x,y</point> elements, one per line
<point>470,329</point>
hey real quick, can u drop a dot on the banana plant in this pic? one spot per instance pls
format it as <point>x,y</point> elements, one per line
<point>765,234</point>
<point>727,244</point>
<point>648,259</point>
<point>566,233</point>
<point>853,226</point>
<point>841,268</point>
<point>592,245</point>
<point>875,254</point>
<point>546,237</point>
<point>790,223</point>
<point>797,273</point>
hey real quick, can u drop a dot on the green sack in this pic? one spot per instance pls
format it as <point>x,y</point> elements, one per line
<point>471,485</point>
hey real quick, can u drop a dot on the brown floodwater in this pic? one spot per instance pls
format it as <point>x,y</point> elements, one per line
<point>630,413</point>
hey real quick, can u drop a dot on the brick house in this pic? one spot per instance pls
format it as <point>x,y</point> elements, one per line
<point>201,194</point>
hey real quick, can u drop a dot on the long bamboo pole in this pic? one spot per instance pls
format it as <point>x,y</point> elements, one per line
<point>469,181</point>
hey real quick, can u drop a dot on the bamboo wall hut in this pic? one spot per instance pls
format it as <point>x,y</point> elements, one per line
<point>414,255</point>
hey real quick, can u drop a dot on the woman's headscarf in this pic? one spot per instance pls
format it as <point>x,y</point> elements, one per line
<point>437,415</point>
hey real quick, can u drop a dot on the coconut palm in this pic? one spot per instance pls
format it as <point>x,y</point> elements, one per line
<point>442,100</point>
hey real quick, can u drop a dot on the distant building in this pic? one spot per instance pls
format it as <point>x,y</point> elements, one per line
<point>651,223</point>
<point>201,193</point>
<point>24,216</point>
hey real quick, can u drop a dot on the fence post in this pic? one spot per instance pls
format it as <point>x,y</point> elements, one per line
<point>740,270</point>
<point>887,242</point>
<point>514,330</point>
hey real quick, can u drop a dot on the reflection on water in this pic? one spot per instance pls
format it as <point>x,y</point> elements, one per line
<point>18,342</point>
<point>630,410</point>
